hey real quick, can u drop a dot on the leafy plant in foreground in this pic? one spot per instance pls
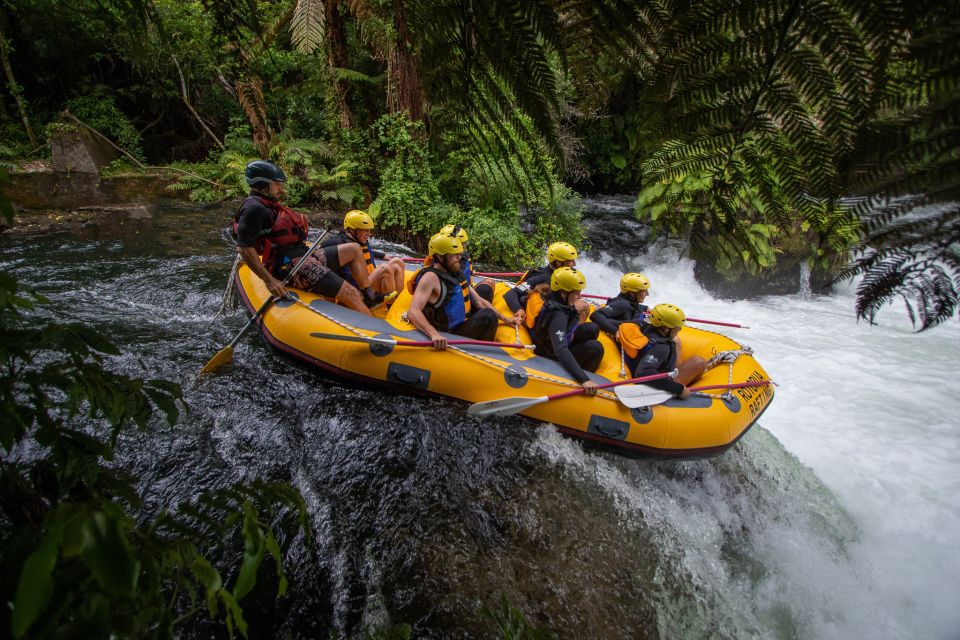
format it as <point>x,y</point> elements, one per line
<point>76,560</point>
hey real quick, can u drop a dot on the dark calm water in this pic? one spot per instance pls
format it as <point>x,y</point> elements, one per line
<point>422,515</point>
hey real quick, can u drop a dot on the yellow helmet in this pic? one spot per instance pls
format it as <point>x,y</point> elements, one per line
<point>443,244</point>
<point>633,282</point>
<point>561,251</point>
<point>357,219</point>
<point>457,231</point>
<point>667,315</point>
<point>567,279</point>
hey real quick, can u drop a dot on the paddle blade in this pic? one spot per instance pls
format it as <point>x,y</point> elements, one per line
<point>220,360</point>
<point>504,406</point>
<point>635,396</point>
<point>349,338</point>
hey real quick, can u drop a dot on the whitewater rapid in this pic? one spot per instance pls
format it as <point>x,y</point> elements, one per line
<point>873,412</point>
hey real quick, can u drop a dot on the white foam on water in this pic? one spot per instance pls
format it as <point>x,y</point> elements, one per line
<point>874,411</point>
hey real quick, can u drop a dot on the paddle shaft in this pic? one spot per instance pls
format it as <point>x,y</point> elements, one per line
<point>286,280</point>
<point>607,385</point>
<point>408,343</point>
<point>737,385</point>
<point>699,320</point>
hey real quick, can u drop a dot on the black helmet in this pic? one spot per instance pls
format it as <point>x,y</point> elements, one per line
<point>263,172</point>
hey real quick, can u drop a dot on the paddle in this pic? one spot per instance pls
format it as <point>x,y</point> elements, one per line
<point>417,343</point>
<point>225,355</point>
<point>514,405</point>
<point>644,396</point>
<point>689,319</point>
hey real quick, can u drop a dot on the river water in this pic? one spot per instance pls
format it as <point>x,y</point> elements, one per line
<point>838,516</point>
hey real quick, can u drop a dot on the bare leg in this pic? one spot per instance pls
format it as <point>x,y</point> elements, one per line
<point>352,255</point>
<point>349,297</point>
<point>399,271</point>
<point>691,369</point>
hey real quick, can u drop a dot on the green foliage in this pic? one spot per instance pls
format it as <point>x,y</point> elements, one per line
<point>100,111</point>
<point>908,173</point>
<point>513,625</point>
<point>78,562</point>
<point>407,190</point>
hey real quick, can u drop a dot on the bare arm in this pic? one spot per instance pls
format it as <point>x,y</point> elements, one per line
<point>427,288</point>
<point>252,260</point>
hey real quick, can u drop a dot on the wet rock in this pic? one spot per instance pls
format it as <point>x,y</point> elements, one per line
<point>76,150</point>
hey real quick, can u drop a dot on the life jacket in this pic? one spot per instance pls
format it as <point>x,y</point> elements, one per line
<point>636,309</point>
<point>453,306</point>
<point>548,270</point>
<point>550,305</point>
<point>465,267</point>
<point>535,301</point>
<point>343,238</point>
<point>287,229</point>
<point>636,340</point>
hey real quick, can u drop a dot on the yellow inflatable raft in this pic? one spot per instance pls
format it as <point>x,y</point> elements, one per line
<point>697,426</point>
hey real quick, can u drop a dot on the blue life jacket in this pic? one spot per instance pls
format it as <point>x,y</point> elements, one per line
<point>453,306</point>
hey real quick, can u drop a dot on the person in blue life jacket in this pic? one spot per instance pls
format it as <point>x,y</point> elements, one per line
<point>627,306</point>
<point>486,286</point>
<point>443,301</point>
<point>559,254</point>
<point>386,276</point>
<point>558,333</point>
<point>652,348</point>
<point>271,239</point>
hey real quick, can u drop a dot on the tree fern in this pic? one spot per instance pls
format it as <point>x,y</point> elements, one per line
<point>909,174</point>
<point>308,25</point>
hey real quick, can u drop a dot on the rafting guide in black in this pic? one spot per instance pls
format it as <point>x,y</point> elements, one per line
<point>557,331</point>
<point>653,348</point>
<point>627,306</point>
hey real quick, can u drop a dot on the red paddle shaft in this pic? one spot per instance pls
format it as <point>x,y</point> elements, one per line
<point>607,385</point>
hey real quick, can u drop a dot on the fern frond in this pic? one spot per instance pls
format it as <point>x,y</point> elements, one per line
<point>308,25</point>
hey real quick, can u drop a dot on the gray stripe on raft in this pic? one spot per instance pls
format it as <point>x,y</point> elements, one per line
<point>370,323</point>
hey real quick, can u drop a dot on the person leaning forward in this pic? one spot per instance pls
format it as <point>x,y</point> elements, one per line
<point>652,348</point>
<point>270,240</point>
<point>558,334</point>
<point>386,277</point>
<point>444,301</point>
<point>559,254</point>
<point>627,306</point>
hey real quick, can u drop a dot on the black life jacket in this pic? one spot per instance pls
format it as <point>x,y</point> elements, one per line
<point>552,304</point>
<point>287,229</point>
<point>654,337</point>
<point>453,306</point>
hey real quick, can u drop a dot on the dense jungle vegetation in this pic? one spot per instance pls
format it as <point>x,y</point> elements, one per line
<point>830,127</point>
<point>827,127</point>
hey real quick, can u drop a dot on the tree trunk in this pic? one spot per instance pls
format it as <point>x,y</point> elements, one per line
<point>337,58</point>
<point>404,87</point>
<point>14,88</point>
<point>250,95</point>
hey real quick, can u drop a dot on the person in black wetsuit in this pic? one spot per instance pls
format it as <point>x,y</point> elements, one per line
<point>559,254</point>
<point>270,240</point>
<point>443,301</point>
<point>628,306</point>
<point>558,334</point>
<point>655,350</point>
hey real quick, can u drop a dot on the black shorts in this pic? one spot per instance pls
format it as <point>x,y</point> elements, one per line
<point>319,275</point>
